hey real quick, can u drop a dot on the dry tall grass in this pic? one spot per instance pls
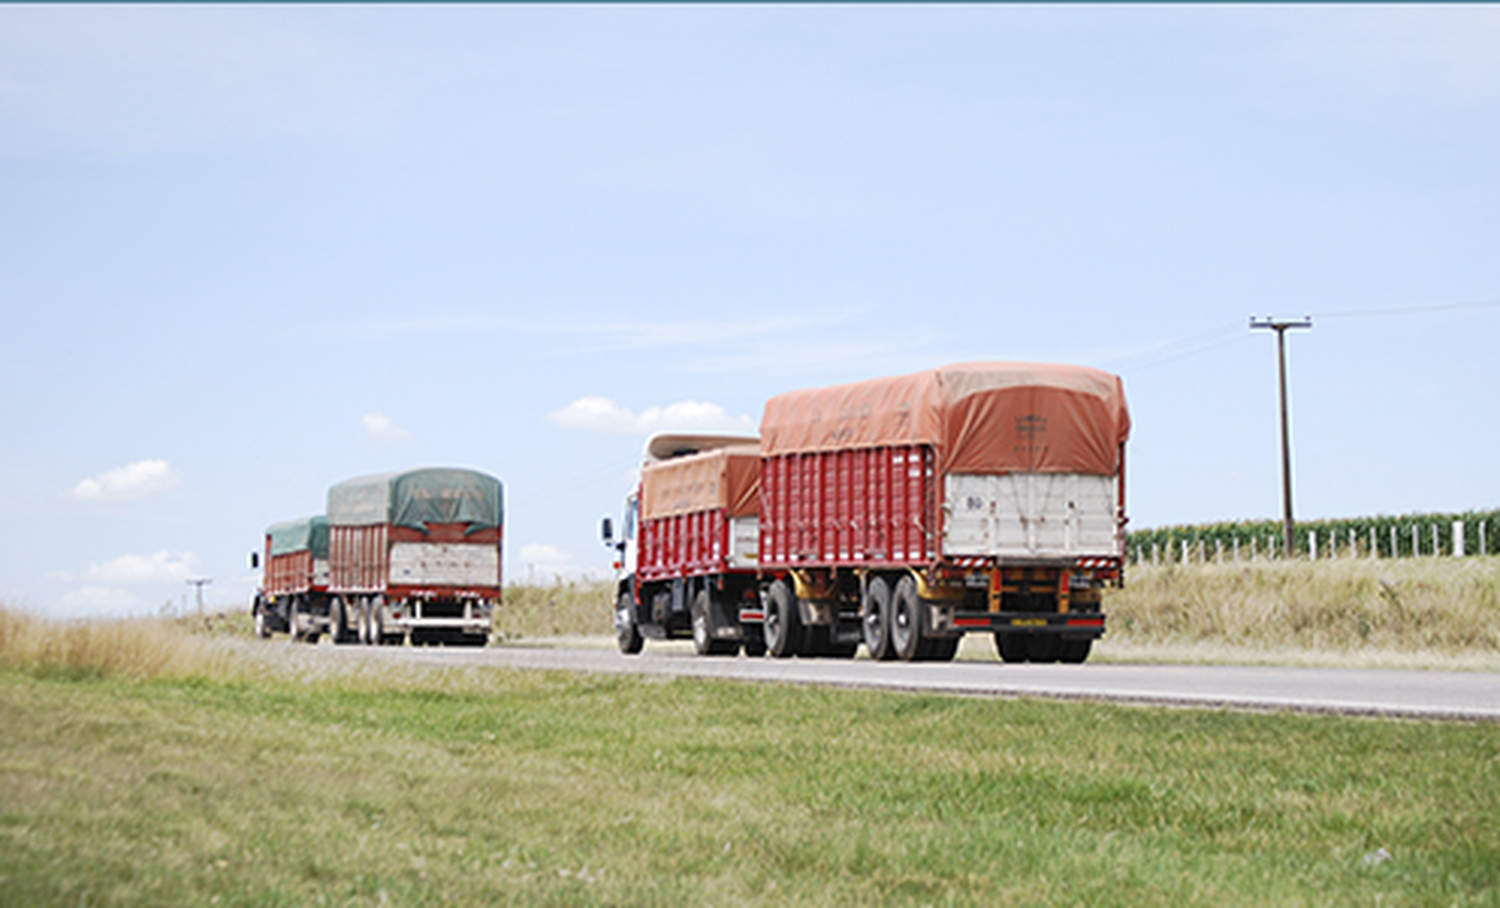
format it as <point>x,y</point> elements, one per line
<point>135,649</point>
<point>1446,607</point>
<point>576,608</point>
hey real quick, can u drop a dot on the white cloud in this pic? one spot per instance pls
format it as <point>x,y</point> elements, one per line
<point>539,554</point>
<point>127,483</point>
<point>158,568</point>
<point>541,563</point>
<point>600,414</point>
<point>379,427</point>
<point>96,602</point>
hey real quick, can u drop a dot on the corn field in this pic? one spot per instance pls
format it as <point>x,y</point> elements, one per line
<point>1412,535</point>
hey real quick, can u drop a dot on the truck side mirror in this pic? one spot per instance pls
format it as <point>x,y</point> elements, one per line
<point>607,531</point>
<point>254,560</point>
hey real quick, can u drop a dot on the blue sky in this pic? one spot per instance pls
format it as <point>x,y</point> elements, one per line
<point>249,251</point>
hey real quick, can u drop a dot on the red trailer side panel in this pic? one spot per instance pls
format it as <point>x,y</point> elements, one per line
<point>684,545</point>
<point>868,507</point>
<point>289,573</point>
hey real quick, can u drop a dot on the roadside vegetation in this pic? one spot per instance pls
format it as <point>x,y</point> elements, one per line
<point>253,774</point>
<point>1433,612</point>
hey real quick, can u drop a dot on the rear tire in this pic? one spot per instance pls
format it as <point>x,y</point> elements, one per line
<point>262,623</point>
<point>704,642</point>
<point>783,626</point>
<point>876,623</point>
<point>1011,647</point>
<point>1044,648</point>
<point>338,630</point>
<point>1075,652</point>
<point>908,620</point>
<point>627,635</point>
<point>293,626</point>
<point>942,649</point>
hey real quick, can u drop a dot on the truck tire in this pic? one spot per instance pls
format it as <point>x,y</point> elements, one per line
<point>293,629</point>
<point>1044,648</point>
<point>262,623</point>
<point>1011,647</point>
<point>704,642</point>
<point>338,628</point>
<point>1075,652</point>
<point>783,626</point>
<point>908,620</point>
<point>627,635</point>
<point>942,649</point>
<point>876,624</point>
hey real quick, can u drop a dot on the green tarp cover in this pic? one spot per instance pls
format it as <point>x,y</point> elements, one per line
<point>415,498</point>
<point>300,536</point>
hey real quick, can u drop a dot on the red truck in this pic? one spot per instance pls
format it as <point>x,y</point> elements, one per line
<point>690,537</point>
<point>296,577</point>
<point>905,512</point>
<point>409,555</point>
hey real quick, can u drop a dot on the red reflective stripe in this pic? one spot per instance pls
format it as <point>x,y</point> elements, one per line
<point>972,622</point>
<point>1085,622</point>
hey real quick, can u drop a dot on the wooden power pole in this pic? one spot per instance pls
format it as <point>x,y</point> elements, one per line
<point>1280,326</point>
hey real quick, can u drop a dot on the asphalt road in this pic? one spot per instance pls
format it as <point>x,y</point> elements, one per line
<point>1473,696</point>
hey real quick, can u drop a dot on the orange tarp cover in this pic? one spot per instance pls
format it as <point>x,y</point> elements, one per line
<point>726,478</point>
<point>982,417</point>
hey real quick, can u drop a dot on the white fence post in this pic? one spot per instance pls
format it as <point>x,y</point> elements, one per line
<point>1312,545</point>
<point>1483,548</point>
<point>1434,540</point>
<point>1374,550</point>
<point>1416,542</point>
<point>1458,539</point>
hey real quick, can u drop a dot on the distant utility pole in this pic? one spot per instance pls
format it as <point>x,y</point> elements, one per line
<point>1280,326</point>
<point>200,584</point>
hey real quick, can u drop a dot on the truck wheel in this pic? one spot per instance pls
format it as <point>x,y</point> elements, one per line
<point>626,633</point>
<point>1011,647</point>
<point>704,642</point>
<point>1075,651</point>
<point>942,649</point>
<point>877,620</point>
<point>1044,648</point>
<point>262,625</point>
<point>783,626</point>
<point>338,630</point>
<point>908,620</point>
<point>293,629</point>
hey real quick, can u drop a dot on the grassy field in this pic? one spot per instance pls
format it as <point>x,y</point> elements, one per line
<point>143,764</point>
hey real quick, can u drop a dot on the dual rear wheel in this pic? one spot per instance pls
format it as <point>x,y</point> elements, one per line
<point>1041,648</point>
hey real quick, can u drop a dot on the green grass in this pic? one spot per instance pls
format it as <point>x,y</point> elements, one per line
<point>485,787</point>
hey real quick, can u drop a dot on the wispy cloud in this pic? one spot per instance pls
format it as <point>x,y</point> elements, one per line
<point>161,567</point>
<point>128,483</point>
<point>544,563</point>
<point>600,414</point>
<point>96,602</point>
<point>379,427</point>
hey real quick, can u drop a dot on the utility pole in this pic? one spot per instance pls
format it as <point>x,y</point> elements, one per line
<point>200,584</point>
<point>1280,326</point>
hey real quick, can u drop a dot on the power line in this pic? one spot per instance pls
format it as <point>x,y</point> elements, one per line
<point>1410,310</point>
